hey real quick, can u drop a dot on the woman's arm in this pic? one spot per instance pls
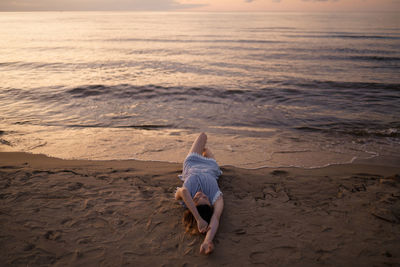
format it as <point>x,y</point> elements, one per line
<point>208,246</point>
<point>183,193</point>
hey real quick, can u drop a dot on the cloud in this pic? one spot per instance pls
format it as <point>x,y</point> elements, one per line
<point>74,5</point>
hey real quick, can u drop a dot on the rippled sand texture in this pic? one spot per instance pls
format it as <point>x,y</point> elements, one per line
<point>55,212</point>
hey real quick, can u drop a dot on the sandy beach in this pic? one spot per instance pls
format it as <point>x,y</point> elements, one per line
<point>114,213</point>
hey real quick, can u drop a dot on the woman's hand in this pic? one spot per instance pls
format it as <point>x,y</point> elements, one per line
<point>207,247</point>
<point>202,225</point>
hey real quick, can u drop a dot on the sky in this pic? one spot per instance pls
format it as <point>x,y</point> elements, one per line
<point>204,5</point>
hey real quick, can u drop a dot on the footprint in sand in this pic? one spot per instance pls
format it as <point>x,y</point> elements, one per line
<point>75,186</point>
<point>279,173</point>
<point>240,231</point>
<point>258,257</point>
<point>53,235</point>
<point>29,247</point>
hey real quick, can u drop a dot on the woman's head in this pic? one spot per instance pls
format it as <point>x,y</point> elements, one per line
<point>201,199</point>
<point>205,210</point>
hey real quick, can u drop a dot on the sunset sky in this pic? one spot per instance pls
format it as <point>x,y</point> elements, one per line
<point>203,5</point>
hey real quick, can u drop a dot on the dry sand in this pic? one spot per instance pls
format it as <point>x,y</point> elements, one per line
<point>113,213</point>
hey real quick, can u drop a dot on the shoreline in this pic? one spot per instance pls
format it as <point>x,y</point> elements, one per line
<point>172,145</point>
<point>375,160</point>
<point>116,212</point>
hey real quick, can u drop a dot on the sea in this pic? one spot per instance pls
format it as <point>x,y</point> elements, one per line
<point>269,89</point>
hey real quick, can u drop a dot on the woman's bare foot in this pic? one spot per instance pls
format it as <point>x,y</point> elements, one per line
<point>207,153</point>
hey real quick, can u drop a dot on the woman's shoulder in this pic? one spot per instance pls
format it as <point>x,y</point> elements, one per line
<point>217,197</point>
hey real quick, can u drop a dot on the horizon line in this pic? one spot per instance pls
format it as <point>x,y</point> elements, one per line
<point>201,11</point>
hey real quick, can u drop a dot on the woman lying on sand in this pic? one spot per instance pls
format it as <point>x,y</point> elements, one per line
<point>200,193</point>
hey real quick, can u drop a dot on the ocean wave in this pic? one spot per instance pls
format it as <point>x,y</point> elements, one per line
<point>321,84</point>
<point>155,40</point>
<point>356,128</point>
<point>263,90</point>
<point>344,36</point>
<point>90,90</point>
<point>328,56</point>
<point>374,58</point>
<point>102,125</point>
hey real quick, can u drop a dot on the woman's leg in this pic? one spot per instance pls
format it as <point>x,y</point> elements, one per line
<point>199,144</point>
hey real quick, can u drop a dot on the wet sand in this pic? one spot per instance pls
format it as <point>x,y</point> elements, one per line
<point>113,213</point>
